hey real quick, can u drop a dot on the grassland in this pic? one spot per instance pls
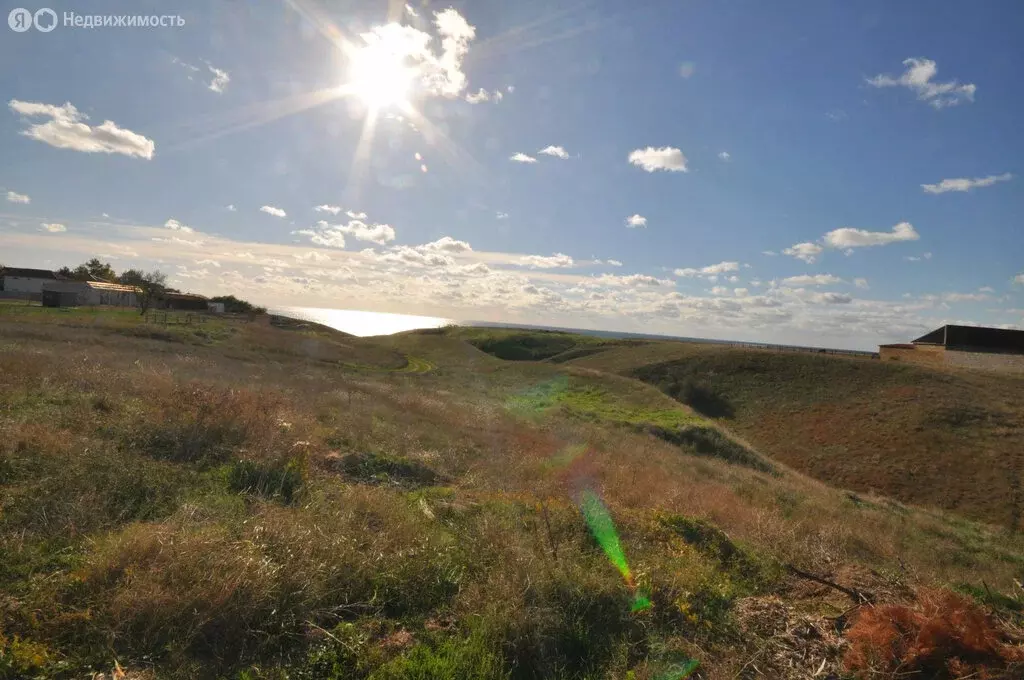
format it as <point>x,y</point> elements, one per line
<point>944,439</point>
<point>285,502</point>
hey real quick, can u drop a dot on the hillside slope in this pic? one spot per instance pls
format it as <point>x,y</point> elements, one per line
<point>952,440</point>
<point>235,501</point>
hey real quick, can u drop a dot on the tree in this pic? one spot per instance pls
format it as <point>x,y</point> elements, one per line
<point>93,270</point>
<point>147,284</point>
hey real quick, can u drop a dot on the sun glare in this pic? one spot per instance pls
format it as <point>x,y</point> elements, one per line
<point>380,75</point>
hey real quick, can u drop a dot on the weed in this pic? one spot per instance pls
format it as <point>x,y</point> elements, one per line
<point>374,468</point>
<point>276,479</point>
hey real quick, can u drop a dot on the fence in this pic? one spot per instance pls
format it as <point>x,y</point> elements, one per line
<point>795,348</point>
<point>169,319</point>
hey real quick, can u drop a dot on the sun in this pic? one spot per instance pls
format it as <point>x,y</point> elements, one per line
<point>380,75</point>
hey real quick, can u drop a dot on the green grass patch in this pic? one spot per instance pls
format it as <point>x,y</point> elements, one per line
<point>593,403</point>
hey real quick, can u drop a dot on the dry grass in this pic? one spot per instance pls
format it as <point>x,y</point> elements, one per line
<point>950,440</point>
<point>258,510</point>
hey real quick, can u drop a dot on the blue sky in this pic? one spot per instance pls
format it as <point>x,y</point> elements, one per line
<point>833,173</point>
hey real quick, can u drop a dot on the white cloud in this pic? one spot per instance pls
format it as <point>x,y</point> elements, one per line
<point>664,158</point>
<point>372,233</point>
<point>836,115</point>
<point>687,69</point>
<point>725,156</point>
<point>439,74</point>
<point>178,226</point>
<point>355,215</point>
<point>542,262</point>
<point>446,244</point>
<point>740,292</point>
<point>211,263</point>
<point>831,298</point>
<point>333,236</point>
<point>556,151</point>
<point>271,210</point>
<point>483,95</point>
<point>812,280</point>
<point>232,208</point>
<point>312,256</point>
<point>964,297</point>
<point>191,243</point>
<point>333,209</point>
<point>634,221</point>
<point>861,283</point>
<point>986,289</point>
<point>220,78</point>
<point>53,227</point>
<point>848,237</point>
<point>769,253</point>
<point>520,157</point>
<point>965,184</point>
<point>808,252</point>
<point>65,130</point>
<point>501,215</point>
<point>613,263</point>
<point>15,197</point>
<point>630,280</point>
<point>720,290</point>
<point>1019,278</point>
<point>918,78</point>
<point>410,11</point>
<point>710,270</point>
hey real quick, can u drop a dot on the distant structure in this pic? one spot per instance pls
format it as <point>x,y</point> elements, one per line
<point>62,293</point>
<point>25,284</point>
<point>184,301</point>
<point>996,349</point>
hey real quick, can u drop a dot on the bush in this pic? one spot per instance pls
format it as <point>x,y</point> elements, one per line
<point>203,424</point>
<point>944,636</point>
<point>279,479</point>
<point>374,468</point>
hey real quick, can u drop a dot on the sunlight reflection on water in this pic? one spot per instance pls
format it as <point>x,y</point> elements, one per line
<point>362,323</point>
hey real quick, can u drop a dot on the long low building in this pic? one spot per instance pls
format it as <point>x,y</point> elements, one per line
<point>19,282</point>
<point>996,349</point>
<point>88,293</point>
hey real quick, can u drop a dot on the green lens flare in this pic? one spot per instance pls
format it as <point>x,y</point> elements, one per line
<point>600,522</point>
<point>641,603</point>
<point>680,670</point>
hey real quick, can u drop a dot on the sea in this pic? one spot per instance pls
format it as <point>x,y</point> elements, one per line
<point>365,324</point>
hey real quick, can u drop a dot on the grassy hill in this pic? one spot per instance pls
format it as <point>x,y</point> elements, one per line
<point>283,502</point>
<point>952,440</point>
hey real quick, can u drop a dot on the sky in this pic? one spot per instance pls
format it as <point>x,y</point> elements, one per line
<point>823,173</point>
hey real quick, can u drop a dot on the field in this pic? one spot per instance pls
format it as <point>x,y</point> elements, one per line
<point>951,440</point>
<point>238,499</point>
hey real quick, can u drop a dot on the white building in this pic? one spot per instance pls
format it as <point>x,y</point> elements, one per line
<point>30,281</point>
<point>87,293</point>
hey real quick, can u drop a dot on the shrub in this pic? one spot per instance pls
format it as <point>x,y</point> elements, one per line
<point>375,468</point>
<point>279,479</point>
<point>204,424</point>
<point>944,636</point>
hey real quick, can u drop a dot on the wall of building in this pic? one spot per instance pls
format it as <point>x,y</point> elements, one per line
<point>938,356</point>
<point>22,284</point>
<point>988,361</point>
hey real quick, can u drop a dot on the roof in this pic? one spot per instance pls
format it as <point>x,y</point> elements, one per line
<point>182,296</point>
<point>110,287</point>
<point>28,273</point>
<point>975,336</point>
